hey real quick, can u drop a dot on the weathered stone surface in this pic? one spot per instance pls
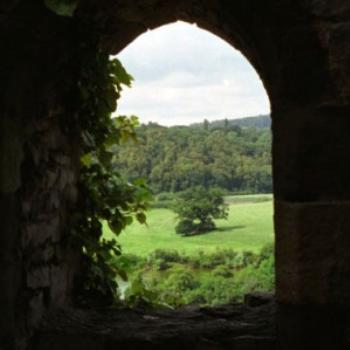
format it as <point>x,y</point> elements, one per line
<point>313,327</point>
<point>37,308</point>
<point>228,327</point>
<point>312,260</point>
<point>257,299</point>
<point>11,157</point>
<point>326,9</point>
<point>309,148</point>
<point>301,51</point>
<point>40,232</point>
<point>339,58</point>
<point>39,277</point>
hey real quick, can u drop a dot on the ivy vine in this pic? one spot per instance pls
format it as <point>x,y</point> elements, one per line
<point>105,197</point>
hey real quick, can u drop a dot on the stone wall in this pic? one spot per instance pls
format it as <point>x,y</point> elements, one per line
<point>301,51</point>
<point>39,162</point>
<point>46,200</point>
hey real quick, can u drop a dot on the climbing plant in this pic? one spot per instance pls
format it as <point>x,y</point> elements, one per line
<point>105,197</point>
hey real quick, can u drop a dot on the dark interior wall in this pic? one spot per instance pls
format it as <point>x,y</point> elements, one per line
<point>39,160</point>
<point>301,51</point>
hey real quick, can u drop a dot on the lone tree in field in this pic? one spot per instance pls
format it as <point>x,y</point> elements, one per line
<point>197,208</point>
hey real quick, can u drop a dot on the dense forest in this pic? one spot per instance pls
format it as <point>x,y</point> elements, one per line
<point>234,155</point>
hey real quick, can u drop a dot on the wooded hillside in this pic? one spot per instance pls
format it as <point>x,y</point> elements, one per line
<point>221,153</point>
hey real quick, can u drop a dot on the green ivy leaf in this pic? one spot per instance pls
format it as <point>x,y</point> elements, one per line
<point>110,97</point>
<point>87,159</point>
<point>128,220</point>
<point>106,196</point>
<point>121,75</point>
<point>115,225</point>
<point>105,158</point>
<point>141,218</point>
<point>64,8</point>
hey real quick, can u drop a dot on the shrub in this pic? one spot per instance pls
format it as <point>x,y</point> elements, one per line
<point>211,260</point>
<point>223,271</point>
<point>163,258</point>
<point>266,252</point>
<point>130,262</point>
<point>256,279</point>
<point>223,276</point>
<point>181,281</point>
<point>138,294</point>
<point>215,290</point>
<point>168,255</point>
<point>245,258</point>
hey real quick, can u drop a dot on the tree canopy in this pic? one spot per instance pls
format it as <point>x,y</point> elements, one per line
<point>172,159</point>
<point>197,208</point>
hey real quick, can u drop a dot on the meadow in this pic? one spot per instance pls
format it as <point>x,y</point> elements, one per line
<point>248,228</point>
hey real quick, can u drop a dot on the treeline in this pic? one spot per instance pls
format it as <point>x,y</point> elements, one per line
<point>261,121</point>
<point>172,159</point>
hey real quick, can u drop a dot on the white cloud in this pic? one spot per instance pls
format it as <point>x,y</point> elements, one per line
<point>184,74</point>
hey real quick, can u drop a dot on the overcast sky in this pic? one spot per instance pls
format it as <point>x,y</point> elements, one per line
<point>184,74</point>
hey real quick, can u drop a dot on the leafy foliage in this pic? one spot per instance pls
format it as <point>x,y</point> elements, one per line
<point>175,158</point>
<point>206,278</point>
<point>104,195</point>
<point>196,209</point>
<point>62,7</point>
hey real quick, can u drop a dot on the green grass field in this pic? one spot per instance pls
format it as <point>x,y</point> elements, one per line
<point>249,227</point>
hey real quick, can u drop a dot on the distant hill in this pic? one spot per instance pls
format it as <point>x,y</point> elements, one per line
<point>234,155</point>
<point>259,122</point>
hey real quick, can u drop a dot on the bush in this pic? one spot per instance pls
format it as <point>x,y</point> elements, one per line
<point>223,271</point>
<point>211,260</point>
<point>256,279</point>
<point>266,252</point>
<point>214,290</point>
<point>206,278</point>
<point>163,258</point>
<point>130,262</point>
<point>139,295</point>
<point>245,258</point>
<point>175,289</point>
<point>180,281</point>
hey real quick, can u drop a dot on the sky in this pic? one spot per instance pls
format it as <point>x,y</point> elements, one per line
<point>183,75</point>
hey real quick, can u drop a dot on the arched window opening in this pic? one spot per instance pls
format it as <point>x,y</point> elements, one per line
<point>204,149</point>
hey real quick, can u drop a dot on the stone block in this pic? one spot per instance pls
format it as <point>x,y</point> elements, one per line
<point>312,252</point>
<point>38,277</point>
<point>39,233</point>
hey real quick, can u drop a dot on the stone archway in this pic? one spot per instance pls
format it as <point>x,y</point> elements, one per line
<point>301,51</point>
<point>299,63</point>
